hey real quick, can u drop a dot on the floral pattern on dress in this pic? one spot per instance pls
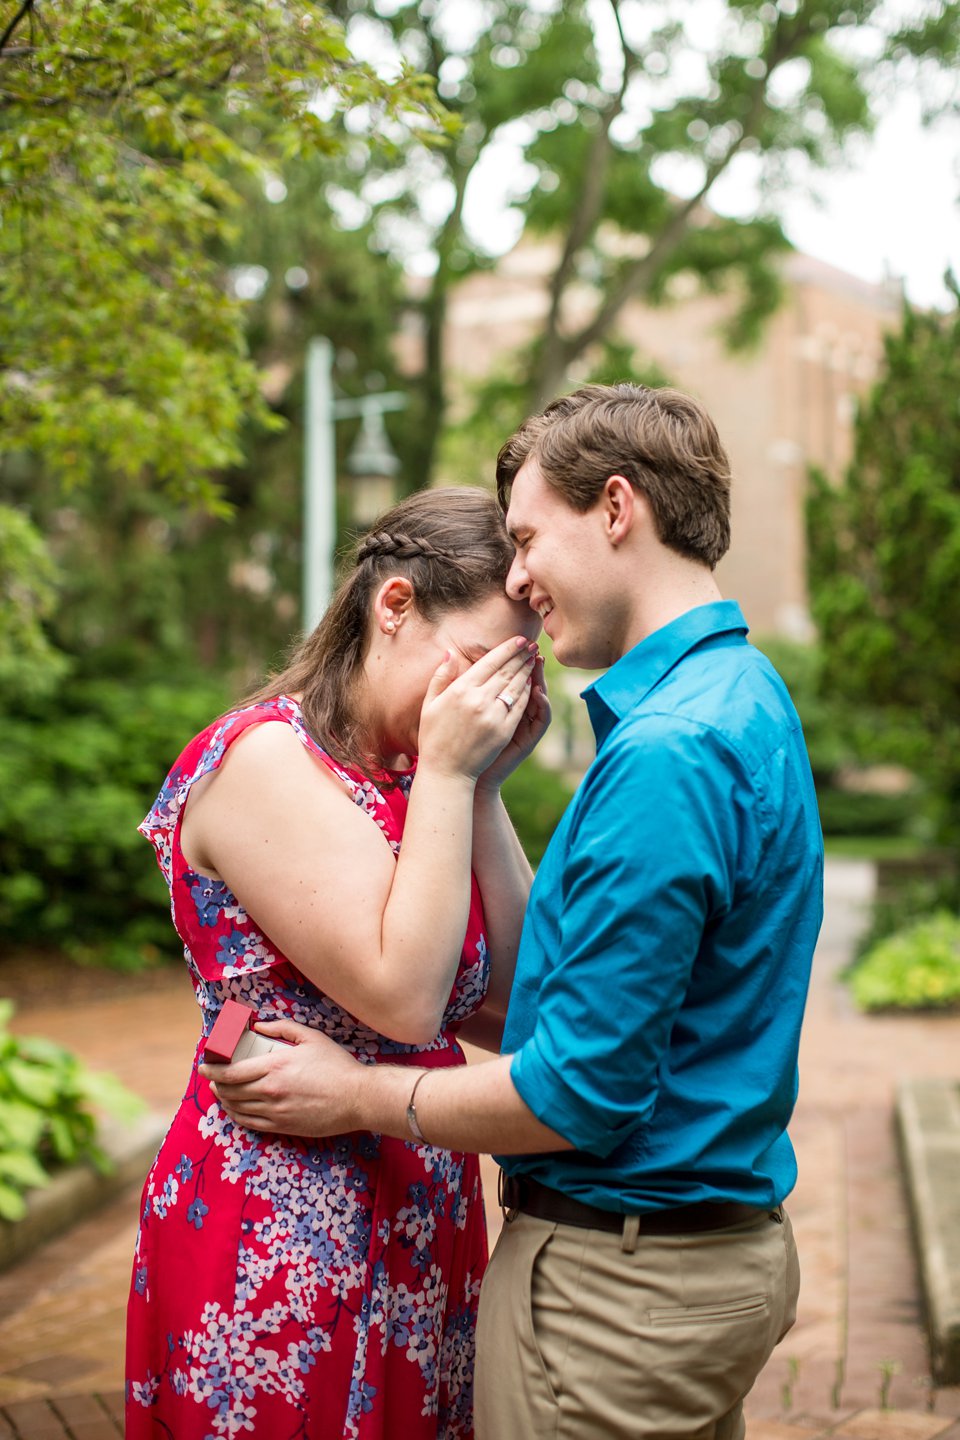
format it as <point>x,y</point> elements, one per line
<point>299,1288</point>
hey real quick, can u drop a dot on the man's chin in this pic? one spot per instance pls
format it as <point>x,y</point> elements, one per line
<point>565,653</point>
<point>578,657</point>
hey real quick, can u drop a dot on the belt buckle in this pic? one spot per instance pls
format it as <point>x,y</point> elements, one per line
<point>510,1212</point>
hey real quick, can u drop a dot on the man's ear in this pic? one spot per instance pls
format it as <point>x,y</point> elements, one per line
<point>621,509</point>
<point>392,603</point>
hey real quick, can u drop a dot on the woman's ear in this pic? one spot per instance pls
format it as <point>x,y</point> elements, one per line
<point>620,508</point>
<point>392,603</point>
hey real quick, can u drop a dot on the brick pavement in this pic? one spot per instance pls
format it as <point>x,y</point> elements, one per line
<point>856,1355</point>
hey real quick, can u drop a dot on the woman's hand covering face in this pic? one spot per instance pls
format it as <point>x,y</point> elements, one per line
<point>529,732</point>
<point>465,725</point>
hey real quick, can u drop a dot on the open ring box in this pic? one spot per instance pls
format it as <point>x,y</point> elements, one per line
<point>232,1038</point>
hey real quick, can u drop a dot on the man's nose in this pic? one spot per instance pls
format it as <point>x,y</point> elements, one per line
<point>518,581</point>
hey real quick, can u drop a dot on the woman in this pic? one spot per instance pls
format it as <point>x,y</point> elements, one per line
<point>320,1288</point>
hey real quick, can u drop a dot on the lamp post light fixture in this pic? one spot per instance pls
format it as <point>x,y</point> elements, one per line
<point>373,465</point>
<point>371,462</point>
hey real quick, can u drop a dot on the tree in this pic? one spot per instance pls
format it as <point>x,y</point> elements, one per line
<point>630,117</point>
<point>28,661</point>
<point>123,129</point>
<point>927,52</point>
<point>130,137</point>
<point>884,547</point>
<point>148,587</point>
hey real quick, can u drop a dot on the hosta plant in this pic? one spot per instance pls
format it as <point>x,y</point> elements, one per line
<point>49,1102</point>
<point>916,968</point>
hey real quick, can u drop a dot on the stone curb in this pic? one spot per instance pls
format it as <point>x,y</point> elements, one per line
<point>928,1124</point>
<point>80,1189</point>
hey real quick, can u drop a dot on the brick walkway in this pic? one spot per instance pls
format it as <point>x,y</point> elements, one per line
<point>67,1417</point>
<point>856,1355</point>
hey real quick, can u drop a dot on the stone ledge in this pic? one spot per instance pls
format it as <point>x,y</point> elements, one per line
<point>928,1124</point>
<point>80,1189</point>
<point>858,1425</point>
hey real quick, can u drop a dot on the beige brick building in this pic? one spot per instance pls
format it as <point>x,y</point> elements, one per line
<point>783,407</point>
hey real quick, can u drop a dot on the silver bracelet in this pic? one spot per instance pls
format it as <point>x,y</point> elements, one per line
<point>412,1120</point>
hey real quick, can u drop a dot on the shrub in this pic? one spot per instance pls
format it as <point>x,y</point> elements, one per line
<point>916,968</point>
<point>842,737</point>
<point>47,1102</point>
<point>827,726</point>
<point>851,812</point>
<point>76,778</point>
<point>535,799</point>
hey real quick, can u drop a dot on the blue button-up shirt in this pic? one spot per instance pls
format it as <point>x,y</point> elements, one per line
<point>665,957</point>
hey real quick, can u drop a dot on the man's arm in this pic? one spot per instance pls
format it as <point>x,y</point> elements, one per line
<point>313,1087</point>
<point>649,859</point>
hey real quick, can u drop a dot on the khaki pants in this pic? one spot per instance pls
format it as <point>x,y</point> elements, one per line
<point>580,1339</point>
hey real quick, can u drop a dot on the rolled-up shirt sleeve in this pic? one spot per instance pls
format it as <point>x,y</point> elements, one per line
<point>650,861</point>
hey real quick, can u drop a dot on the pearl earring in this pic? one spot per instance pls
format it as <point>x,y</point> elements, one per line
<point>391,626</point>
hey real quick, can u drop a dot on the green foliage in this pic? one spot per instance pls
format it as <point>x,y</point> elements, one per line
<point>843,738</point>
<point>928,58</point>
<point>853,812</point>
<point>77,775</point>
<point>143,586</point>
<point>535,799</point>
<point>28,660</point>
<point>884,548</point>
<point>828,725</point>
<point>910,888</point>
<point>840,735</point>
<point>48,1105</point>
<point>917,968</point>
<point>124,131</point>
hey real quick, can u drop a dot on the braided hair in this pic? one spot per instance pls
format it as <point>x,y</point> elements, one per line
<point>451,544</point>
<point>401,546</point>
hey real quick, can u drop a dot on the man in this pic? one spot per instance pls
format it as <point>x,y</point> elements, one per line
<point>646,1269</point>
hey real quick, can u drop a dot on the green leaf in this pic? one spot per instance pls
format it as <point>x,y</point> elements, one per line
<point>64,1138</point>
<point>21,1125</point>
<point>12,1204</point>
<point>22,1168</point>
<point>106,1092</point>
<point>34,1083</point>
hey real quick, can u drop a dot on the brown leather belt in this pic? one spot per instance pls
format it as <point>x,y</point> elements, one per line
<point>521,1192</point>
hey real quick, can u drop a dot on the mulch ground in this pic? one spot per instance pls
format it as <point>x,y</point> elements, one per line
<point>35,980</point>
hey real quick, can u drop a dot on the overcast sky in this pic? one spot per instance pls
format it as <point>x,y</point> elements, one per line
<point>897,209</point>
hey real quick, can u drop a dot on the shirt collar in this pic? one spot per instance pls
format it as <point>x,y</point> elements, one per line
<point>638,672</point>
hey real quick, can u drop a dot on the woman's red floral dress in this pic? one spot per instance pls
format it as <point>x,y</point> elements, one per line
<point>286,1287</point>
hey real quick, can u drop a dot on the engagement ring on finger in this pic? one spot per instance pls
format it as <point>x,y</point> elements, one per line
<point>508,700</point>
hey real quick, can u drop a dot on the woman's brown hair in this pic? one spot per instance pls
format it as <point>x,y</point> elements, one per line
<point>451,545</point>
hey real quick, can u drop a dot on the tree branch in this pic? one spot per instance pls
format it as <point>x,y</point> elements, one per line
<point>591,199</point>
<point>783,43</point>
<point>21,14</point>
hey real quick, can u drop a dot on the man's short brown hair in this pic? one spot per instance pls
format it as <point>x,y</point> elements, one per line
<point>662,441</point>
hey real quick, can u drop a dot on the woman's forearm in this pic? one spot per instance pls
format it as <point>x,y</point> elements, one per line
<point>504,876</point>
<point>425,916</point>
